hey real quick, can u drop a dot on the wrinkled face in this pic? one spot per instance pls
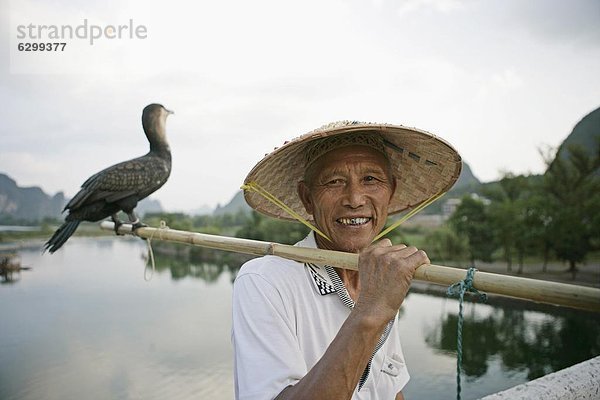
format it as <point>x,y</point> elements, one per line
<point>347,191</point>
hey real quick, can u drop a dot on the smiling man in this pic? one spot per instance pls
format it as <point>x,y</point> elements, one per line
<point>305,331</point>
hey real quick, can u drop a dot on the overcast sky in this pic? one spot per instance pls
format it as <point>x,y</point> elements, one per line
<point>497,79</point>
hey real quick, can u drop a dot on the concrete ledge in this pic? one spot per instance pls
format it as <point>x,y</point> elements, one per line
<point>581,381</point>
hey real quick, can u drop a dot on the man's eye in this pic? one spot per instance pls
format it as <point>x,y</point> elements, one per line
<point>335,182</point>
<point>370,178</point>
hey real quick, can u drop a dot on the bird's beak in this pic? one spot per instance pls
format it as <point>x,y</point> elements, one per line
<point>169,111</point>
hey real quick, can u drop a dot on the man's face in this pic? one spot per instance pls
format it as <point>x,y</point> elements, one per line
<point>347,192</point>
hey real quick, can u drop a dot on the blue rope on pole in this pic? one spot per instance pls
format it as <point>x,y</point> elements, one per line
<point>459,289</point>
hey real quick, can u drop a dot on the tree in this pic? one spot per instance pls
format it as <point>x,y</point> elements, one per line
<point>471,220</point>
<point>258,227</point>
<point>517,215</point>
<point>503,215</point>
<point>572,185</point>
<point>534,235</point>
<point>445,245</point>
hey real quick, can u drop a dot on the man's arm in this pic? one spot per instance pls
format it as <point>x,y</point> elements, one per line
<point>385,275</point>
<point>337,373</point>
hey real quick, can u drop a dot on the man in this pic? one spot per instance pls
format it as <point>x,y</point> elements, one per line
<point>304,331</point>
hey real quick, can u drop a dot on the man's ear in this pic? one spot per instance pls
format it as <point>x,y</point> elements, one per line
<point>304,194</point>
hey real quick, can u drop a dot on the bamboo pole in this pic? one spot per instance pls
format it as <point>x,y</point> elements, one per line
<point>574,296</point>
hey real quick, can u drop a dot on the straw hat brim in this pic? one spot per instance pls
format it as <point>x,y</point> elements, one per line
<point>423,164</point>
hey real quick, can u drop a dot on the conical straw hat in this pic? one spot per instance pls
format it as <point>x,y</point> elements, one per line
<point>423,164</point>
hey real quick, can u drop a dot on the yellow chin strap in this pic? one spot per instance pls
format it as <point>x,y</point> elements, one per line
<point>256,188</point>
<point>408,215</point>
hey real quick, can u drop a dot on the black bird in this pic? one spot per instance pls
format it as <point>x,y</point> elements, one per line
<point>123,185</point>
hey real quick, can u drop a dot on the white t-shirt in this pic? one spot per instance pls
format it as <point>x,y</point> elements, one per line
<point>285,315</point>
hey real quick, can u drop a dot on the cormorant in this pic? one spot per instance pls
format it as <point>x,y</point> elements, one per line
<point>123,185</point>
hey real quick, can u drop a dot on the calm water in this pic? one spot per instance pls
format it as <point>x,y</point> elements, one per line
<point>83,323</point>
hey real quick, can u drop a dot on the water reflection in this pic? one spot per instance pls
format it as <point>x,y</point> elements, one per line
<point>529,341</point>
<point>10,267</point>
<point>196,262</point>
<point>181,269</point>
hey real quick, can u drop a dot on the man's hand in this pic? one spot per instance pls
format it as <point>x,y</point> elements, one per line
<point>386,273</point>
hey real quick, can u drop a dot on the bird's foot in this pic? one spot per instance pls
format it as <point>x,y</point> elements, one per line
<point>117,226</point>
<point>137,224</point>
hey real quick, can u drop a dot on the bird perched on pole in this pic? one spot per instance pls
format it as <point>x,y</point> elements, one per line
<point>123,185</point>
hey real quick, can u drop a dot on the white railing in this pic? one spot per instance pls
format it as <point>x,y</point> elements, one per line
<point>581,381</point>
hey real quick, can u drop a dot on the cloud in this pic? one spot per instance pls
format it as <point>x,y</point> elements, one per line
<point>499,83</point>
<point>507,80</point>
<point>28,167</point>
<point>406,7</point>
<point>574,21</point>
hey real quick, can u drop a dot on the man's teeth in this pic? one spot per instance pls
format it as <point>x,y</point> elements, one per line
<point>353,221</point>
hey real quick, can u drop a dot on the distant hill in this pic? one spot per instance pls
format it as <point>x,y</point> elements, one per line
<point>27,204</point>
<point>237,203</point>
<point>32,204</point>
<point>148,205</point>
<point>585,133</point>
<point>466,178</point>
<point>202,210</point>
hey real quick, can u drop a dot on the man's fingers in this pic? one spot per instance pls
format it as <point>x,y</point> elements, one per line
<point>387,243</point>
<point>407,251</point>
<point>418,258</point>
<point>413,256</point>
<point>383,243</point>
<point>384,250</point>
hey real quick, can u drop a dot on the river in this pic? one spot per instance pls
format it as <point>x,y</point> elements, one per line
<point>90,322</point>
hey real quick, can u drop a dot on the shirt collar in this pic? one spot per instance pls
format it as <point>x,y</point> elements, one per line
<point>318,274</point>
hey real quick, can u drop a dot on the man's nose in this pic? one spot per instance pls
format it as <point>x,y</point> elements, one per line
<point>353,195</point>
